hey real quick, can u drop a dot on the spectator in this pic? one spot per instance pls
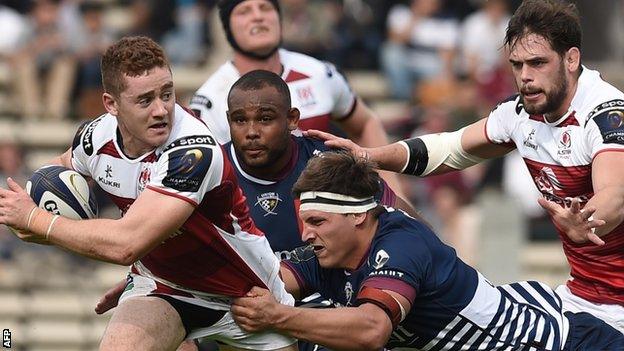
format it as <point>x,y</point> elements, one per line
<point>420,46</point>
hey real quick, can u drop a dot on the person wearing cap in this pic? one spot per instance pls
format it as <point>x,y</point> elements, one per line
<point>318,89</point>
<point>396,285</point>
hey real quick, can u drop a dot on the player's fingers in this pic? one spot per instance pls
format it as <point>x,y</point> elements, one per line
<point>575,205</point>
<point>595,223</point>
<point>549,206</point>
<point>319,134</point>
<point>14,186</point>
<point>587,213</point>
<point>595,239</point>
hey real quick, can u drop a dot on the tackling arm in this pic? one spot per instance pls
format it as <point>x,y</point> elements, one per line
<point>608,199</point>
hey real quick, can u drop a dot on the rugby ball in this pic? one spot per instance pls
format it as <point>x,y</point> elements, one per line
<point>62,191</point>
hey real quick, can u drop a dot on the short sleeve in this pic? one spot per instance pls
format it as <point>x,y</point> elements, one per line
<point>344,98</point>
<point>211,111</point>
<point>501,121</point>
<point>604,130</point>
<point>188,172</point>
<point>83,147</point>
<point>399,265</point>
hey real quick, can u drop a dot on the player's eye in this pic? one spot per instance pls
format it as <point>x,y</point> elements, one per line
<point>144,102</point>
<point>167,95</point>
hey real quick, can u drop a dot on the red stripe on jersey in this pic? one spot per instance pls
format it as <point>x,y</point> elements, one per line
<point>294,76</point>
<point>315,122</point>
<point>178,196</point>
<point>561,181</point>
<point>109,149</point>
<point>569,121</point>
<point>539,118</point>
<point>199,258</point>
<point>597,270</point>
<point>151,158</point>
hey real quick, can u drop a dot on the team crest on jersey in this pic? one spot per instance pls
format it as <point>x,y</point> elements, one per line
<point>348,289</point>
<point>547,181</point>
<point>144,178</point>
<point>381,257</point>
<point>306,96</point>
<point>268,202</point>
<point>564,144</point>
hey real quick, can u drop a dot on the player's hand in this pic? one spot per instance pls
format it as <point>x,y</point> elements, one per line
<point>579,225</point>
<point>15,206</point>
<point>110,298</point>
<point>257,311</point>
<point>335,142</point>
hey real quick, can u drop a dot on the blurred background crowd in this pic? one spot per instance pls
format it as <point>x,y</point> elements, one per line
<point>423,65</point>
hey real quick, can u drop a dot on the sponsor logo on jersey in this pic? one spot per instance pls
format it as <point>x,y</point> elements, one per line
<point>87,137</point>
<point>617,104</point>
<point>564,144</point>
<point>268,202</point>
<point>611,125</point>
<point>547,181</point>
<point>348,289</point>
<point>194,140</point>
<point>187,168</point>
<point>387,273</point>
<point>106,179</point>
<point>109,171</point>
<point>529,141</point>
<point>381,257</point>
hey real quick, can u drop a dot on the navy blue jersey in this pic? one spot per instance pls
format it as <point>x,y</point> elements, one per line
<point>271,203</point>
<point>453,306</point>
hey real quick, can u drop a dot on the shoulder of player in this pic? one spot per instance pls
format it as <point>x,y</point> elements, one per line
<point>315,68</point>
<point>91,135</point>
<point>401,232</point>
<point>188,131</point>
<point>512,104</point>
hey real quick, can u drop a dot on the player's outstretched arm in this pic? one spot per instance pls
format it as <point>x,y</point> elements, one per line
<point>150,220</point>
<point>428,154</point>
<point>366,327</point>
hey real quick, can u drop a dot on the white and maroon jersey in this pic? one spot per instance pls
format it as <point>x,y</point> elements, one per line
<point>317,89</point>
<point>559,158</point>
<point>218,250</point>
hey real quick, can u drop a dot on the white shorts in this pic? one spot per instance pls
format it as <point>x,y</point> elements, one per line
<point>215,323</point>
<point>612,314</point>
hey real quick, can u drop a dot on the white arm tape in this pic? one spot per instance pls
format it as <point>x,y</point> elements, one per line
<point>446,148</point>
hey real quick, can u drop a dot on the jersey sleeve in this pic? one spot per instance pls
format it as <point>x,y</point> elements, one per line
<point>344,98</point>
<point>305,267</point>
<point>501,121</point>
<point>604,130</point>
<point>400,266</point>
<point>83,148</point>
<point>211,111</point>
<point>386,196</point>
<point>188,168</point>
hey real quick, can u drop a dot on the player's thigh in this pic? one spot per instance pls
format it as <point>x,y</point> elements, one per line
<point>143,323</point>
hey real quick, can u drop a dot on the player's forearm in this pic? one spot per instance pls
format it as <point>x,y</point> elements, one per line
<point>101,239</point>
<point>345,328</point>
<point>609,204</point>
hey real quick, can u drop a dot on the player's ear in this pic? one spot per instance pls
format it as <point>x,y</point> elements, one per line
<point>110,104</point>
<point>293,118</point>
<point>359,218</point>
<point>572,59</point>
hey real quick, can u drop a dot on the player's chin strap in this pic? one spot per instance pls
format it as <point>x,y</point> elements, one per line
<point>335,203</point>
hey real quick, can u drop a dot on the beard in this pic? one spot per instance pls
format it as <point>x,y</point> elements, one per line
<point>554,97</point>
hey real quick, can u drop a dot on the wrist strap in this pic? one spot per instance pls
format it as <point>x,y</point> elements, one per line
<point>47,236</point>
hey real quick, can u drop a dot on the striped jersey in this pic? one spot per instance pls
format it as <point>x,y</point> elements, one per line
<point>559,157</point>
<point>317,89</point>
<point>218,250</point>
<point>453,307</point>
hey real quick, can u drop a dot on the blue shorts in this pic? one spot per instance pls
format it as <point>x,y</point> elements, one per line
<point>590,333</point>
